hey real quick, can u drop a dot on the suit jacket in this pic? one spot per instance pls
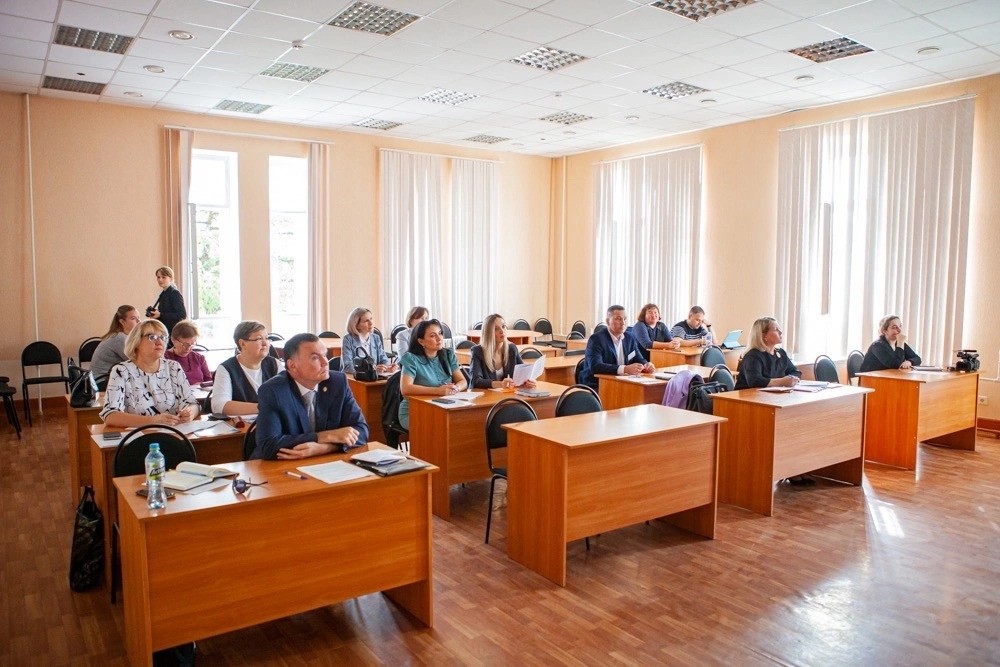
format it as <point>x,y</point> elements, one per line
<point>282,421</point>
<point>349,351</point>
<point>171,306</point>
<point>601,357</point>
<point>481,376</point>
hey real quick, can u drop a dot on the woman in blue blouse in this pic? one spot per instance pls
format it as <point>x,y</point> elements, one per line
<point>428,369</point>
<point>361,340</point>
<point>651,332</point>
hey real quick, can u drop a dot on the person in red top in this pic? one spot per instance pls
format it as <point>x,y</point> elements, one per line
<point>184,337</point>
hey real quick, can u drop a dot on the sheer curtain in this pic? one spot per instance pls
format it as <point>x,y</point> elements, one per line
<point>320,207</point>
<point>411,213</point>
<point>873,219</point>
<point>474,205</point>
<point>648,223</point>
<point>179,235</point>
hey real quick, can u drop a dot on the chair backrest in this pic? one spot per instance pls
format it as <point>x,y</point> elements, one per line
<point>507,411</point>
<point>542,325</point>
<point>336,364</point>
<point>198,347</point>
<point>130,457</point>
<point>446,330</point>
<point>825,370</point>
<point>391,399</point>
<point>250,441</point>
<point>577,400</point>
<point>465,344</point>
<point>712,356</point>
<point>206,403</point>
<point>579,327</point>
<point>328,334</point>
<point>521,325</point>
<point>723,376</point>
<point>578,373</point>
<point>87,348</point>
<point>271,352</point>
<point>576,335</point>
<point>275,336</point>
<point>478,326</point>
<point>395,332</point>
<point>530,353</point>
<point>854,361</point>
<point>41,353</point>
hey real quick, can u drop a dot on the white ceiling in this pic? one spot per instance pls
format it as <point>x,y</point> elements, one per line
<point>739,56</point>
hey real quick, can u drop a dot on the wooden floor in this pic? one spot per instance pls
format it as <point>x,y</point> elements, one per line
<point>905,570</point>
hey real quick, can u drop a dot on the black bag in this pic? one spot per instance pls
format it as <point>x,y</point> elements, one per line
<point>86,561</point>
<point>392,397</point>
<point>82,386</point>
<point>364,366</point>
<point>700,395</point>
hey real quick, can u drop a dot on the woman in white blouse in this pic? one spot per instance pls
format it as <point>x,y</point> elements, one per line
<point>148,389</point>
<point>361,340</point>
<point>416,315</point>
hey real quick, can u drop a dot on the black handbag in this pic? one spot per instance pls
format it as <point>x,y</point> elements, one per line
<point>364,366</point>
<point>82,386</point>
<point>86,561</point>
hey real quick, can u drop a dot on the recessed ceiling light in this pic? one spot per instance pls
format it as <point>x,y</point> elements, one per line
<point>367,17</point>
<point>445,96</point>
<point>675,90</point>
<point>154,69</point>
<point>281,70</point>
<point>242,107</point>
<point>131,93</point>
<point>566,117</point>
<point>489,139</point>
<point>92,39</point>
<point>73,86</point>
<point>181,34</point>
<point>547,58</point>
<point>805,77</point>
<point>700,9</point>
<point>928,50</point>
<point>377,124</point>
<point>709,100</point>
<point>832,49</point>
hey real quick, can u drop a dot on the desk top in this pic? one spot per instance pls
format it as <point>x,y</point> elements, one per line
<point>641,379</point>
<point>610,425</point>
<point>279,485</point>
<point>97,431</point>
<point>915,376</point>
<point>488,398</point>
<point>790,398</point>
<point>476,334</point>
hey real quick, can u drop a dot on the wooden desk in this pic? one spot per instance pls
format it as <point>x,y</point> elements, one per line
<point>210,448</point>
<point>79,421</point>
<point>908,407</point>
<point>516,336</point>
<point>217,561</point>
<point>571,477</point>
<point>618,391</point>
<point>369,398</point>
<point>576,344</point>
<point>454,439</point>
<point>560,370</point>
<point>333,347</point>
<point>464,356</point>
<point>770,437</point>
<point>686,355</point>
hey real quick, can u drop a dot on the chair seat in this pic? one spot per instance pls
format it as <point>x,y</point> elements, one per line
<point>48,378</point>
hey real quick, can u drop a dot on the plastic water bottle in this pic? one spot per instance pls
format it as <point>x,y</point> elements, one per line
<point>156,498</point>
<point>709,338</point>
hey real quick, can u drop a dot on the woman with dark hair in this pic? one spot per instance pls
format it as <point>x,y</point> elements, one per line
<point>428,369</point>
<point>111,350</point>
<point>184,337</point>
<point>651,332</point>
<point>169,307</point>
<point>493,360</point>
<point>889,350</point>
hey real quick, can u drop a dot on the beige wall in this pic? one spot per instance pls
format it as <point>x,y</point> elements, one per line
<point>737,278</point>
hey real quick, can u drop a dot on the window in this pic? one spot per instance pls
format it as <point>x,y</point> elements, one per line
<point>648,223</point>
<point>289,224</point>
<point>215,242</point>
<point>873,220</point>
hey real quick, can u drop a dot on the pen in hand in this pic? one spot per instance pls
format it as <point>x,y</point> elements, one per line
<point>295,474</point>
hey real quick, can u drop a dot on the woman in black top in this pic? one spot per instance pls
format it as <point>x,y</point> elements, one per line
<point>765,364</point>
<point>890,349</point>
<point>494,359</point>
<point>169,307</point>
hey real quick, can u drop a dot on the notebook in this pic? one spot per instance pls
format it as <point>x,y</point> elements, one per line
<point>732,340</point>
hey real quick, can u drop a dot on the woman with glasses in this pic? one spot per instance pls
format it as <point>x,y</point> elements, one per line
<point>238,378</point>
<point>361,341</point>
<point>428,369</point>
<point>111,350</point>
<point>148,389</point>
<point>493,360</point>
<point>184,337</point>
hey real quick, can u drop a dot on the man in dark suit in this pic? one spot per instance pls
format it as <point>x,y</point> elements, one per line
<point>306,410</point>
<point>613,351</point>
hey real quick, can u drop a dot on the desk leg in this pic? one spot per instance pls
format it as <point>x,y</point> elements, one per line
<point>746,456</point>
<point>104,496</point>
<point>964,439</point>
<point>429,437</point>
<point>846,471</point>
<point>76,462</point>
<point>135,595</point>
<point>698,520</point>
<point>536,506</point>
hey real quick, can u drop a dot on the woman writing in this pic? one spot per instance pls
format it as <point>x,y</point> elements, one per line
<point>362,341</point>
<point>148,389</point>
<point>416,315</point>
<point>889,350</point>
<point>428,369</point>
<point>651,332</point>
<point>184,336</point>
<point>494,359</point>
<point>169,307</point>
<point>111,350</point>
<point>238,378</point>
<point>765,364</point>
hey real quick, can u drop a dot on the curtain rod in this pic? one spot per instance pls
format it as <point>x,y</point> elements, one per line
<point>247,134</point>
<point>884,112</point>
<point>453,157</point>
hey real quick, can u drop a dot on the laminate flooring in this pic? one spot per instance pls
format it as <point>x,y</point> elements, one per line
<point>903,570</point>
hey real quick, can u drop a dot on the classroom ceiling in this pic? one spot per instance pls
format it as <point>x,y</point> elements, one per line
<point>542,77</point>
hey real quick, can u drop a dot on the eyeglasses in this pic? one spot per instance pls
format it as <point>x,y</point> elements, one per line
<point>155,338</point>
<point>257,339</point>
<point>182,344</point>
<point>243,485</point>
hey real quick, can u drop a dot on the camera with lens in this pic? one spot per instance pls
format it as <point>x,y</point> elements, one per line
<point>968,361</point>
<point>150,310</point>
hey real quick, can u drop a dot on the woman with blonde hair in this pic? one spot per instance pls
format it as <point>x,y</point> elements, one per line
<point>416,315</point>
<point>765,364</point>
<point>493,360</point>
<point>148,389</point>
<point>361,340</point>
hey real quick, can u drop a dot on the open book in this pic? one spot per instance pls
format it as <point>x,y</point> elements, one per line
<point>189,474</point>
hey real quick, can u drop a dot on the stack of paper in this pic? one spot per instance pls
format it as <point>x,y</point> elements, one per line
<point>337,471</point>
<point>379,456</point>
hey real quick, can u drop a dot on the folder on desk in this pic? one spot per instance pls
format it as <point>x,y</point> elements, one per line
<point>388,469</point>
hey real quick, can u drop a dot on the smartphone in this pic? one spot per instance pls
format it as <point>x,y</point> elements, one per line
<point>443,401</point>
<point>111,435</point>
<point>145,492</point>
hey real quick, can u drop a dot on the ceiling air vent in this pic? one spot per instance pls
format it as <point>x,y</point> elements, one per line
<point>94,40</point>
<point>367,17</point>
<point>73,86</point>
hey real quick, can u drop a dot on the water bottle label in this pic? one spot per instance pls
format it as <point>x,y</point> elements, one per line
<point>155,473</point>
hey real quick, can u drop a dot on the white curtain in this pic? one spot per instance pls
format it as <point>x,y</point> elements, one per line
<point>648,223</point>
<point>474,205</point>
<point>411,214</point>
<point>872,220</point>
<point>180,236</point>
<point>320,208</point>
